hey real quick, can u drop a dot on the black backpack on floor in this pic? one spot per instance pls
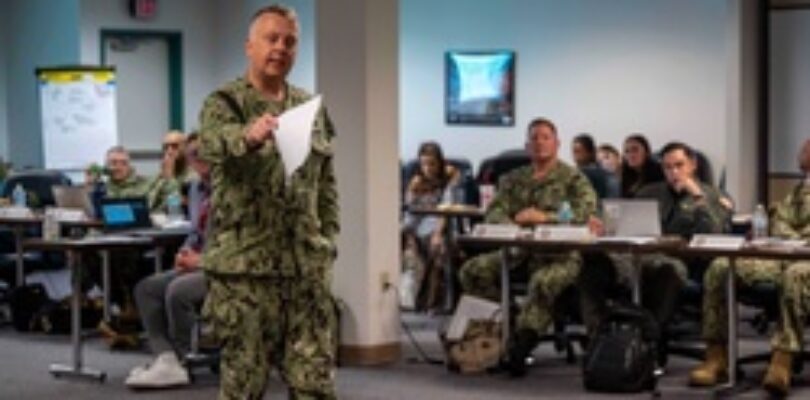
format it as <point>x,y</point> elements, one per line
<point>622,356</point>
<point>25,302</point>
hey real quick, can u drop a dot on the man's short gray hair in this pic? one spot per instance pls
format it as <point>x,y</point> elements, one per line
<point>117,149</point>
<point>278,9</point>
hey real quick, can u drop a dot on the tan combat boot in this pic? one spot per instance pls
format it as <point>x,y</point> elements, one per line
<point>713,370</point>
<point>777,379</point>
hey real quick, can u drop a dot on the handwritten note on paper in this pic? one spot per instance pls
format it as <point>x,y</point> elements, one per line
<point>294,134</point>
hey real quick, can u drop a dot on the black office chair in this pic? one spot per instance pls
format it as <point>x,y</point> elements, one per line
<point>38,185</point>
<point>202,353</point>
<point>704,170</point>
<point>682,335</point>
<point>765,297</point>
<point>493,168</point>
<point>566,314</point>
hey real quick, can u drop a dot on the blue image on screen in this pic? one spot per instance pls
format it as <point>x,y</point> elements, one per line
<point>118,214</point>
<point>479,87</point>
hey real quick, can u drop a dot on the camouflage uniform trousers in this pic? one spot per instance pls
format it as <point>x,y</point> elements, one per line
<point>661,279</point>
<point>792,281</point>
<point>795,306</point>
<point>259,321</point>
<point>549,277</point>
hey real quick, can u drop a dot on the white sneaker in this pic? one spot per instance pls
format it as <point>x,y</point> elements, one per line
<point>139,369</point>
<point>165,372</point>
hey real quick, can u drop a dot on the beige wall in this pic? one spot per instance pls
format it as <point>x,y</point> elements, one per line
<point>357,73</point>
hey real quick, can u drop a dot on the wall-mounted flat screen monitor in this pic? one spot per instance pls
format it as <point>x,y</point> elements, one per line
<point>479,87</point>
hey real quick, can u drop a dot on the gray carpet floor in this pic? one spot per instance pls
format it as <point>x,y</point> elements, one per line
<point>24,360</point>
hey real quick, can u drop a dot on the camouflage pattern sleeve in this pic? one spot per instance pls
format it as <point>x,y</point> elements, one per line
<point>501,210</point>
<point>328,208</point>
<point>791,218</point>
<point>133,186</point>
<point>583,198</point>
<point>710,214</point>
<point>222,134</point>
<point>159,189</point>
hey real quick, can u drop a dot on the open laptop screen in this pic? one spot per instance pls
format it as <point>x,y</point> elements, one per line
<point>125,213</point>
<point>632,217</point>
<point>74,197</point>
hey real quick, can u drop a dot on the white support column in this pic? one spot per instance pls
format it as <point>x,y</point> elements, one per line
<point>742,102</point>
<point>357,71</point>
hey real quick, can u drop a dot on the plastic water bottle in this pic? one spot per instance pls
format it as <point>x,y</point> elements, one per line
<point>18,196</point>
<point>565,215</point>
<point>174,207</point>
<point>759,223</point>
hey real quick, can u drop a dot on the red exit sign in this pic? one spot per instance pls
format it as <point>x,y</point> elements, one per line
<point>143,9</point>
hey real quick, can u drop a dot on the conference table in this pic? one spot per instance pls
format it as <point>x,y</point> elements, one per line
<point>75,248</point>
<point>666,245</point>
<point>19,222</point>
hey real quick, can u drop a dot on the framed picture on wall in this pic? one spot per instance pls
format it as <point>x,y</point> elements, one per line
<point>479,87</point>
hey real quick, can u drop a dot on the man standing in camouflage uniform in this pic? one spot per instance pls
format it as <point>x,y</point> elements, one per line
<point>530,196</point>
<point>270,253</point>
<point>687,207</point>
<point>791,220</point>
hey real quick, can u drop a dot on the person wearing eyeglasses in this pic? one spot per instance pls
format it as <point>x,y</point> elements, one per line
<point>174,172</point>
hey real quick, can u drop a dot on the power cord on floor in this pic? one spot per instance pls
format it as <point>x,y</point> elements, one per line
<point>423,356</point>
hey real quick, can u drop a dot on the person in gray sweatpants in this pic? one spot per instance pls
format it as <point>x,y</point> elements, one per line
<point>168,301</point>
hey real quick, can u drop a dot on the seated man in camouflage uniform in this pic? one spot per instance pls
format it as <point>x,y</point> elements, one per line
<point>530,196</point>
<point>687,207</point>
<point>791,220</point>
<point>175,175</point>
<point>122,181</point>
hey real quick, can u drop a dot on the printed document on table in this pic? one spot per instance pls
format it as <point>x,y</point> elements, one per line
<point>294,134</point>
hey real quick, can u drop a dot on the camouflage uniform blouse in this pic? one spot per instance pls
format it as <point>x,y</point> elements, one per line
<point>262,225</point>
<point>519,190</point>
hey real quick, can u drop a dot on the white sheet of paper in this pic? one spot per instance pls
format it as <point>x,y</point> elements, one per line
<point>470,307</point>
<point>294,134</point>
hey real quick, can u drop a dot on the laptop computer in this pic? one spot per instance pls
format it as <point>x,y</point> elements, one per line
<point>125,214</point>
<point>631,218</point>
<point>73,197</point>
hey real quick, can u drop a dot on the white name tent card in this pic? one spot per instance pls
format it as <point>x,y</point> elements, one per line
<point>778,243</point>
<point>562,233</point>
<point>627,239</point>
<point>16,212</point>
<point>728,242</point>
<point>498,231</point>
<point>66,214</point>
